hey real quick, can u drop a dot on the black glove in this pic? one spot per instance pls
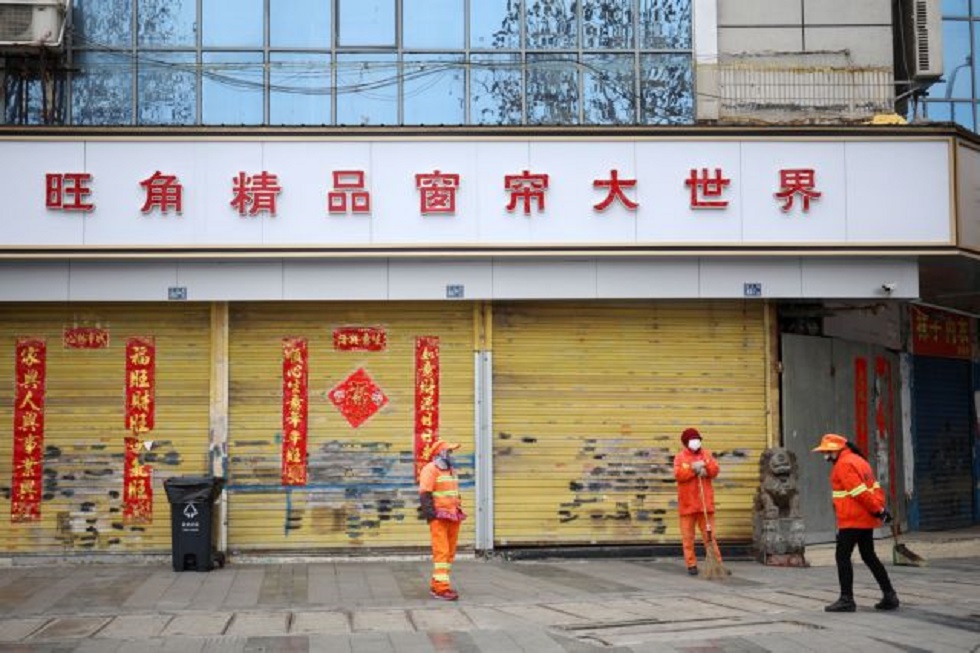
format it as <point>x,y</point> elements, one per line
<point>885,516</point>
<point>427,506</point>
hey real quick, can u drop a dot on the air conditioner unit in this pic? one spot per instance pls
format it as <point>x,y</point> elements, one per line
<point>32,23</point>
<point>925,39</point>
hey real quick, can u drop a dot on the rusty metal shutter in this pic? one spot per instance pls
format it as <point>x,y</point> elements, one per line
<point>84,423</point>
<point>361,491</point>
<point>589,401</point>
<point>943,435</point>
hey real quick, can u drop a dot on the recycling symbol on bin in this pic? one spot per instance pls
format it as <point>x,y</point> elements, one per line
<point>190,511</point>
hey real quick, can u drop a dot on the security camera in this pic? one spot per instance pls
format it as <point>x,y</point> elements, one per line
<point>889,287</point>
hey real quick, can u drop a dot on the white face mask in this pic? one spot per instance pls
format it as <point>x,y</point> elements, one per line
<point>694,444</point>
<point>829,457</point>
<point>443,460</point>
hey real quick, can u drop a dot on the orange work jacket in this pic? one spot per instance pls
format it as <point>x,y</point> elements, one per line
<point>857,495</point>
<point>688,493</point>
<point>444,486</point>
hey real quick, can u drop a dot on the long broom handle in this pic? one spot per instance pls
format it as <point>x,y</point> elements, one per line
<point>704,508</point>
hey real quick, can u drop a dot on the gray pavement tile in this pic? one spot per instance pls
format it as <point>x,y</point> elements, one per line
<point>493,641</point>
<point>370,643</point>
<point>134,626</point>
<point>329,622</point>
<point>245,588</point>
<point>70,628</point>
<point>256,624</point>
<point>214,591</point>
<point>12,630</point>
<point>440,620</point>
<point>421,643</point>
<point>97,646</point>
<point>201,624</point>
<point>380,620</point>
<point>148,592</point>
<point>291,644</point>
<point>542,615</point>
<point>488,617</point>
<point>329,643</point>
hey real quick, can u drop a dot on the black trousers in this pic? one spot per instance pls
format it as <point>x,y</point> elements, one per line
<point>847,538</point>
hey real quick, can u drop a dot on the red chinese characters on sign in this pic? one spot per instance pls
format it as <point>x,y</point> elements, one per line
<point>30,368</point>
<point>252,195</point>
<point>615,186</point>
<point>348,185</point>
<point>426,399</point>
<point>357,398</point>
<point>793,182</point>
<point>706,190</point>
<point>942,334</point>
<point>67,191</point>
<point>526,188</point>
<point>295,409</point>
<point>256,194</point>
<point>360,339</point>
<point>163,192</point>
<point>139,416</point>
<point>85,338</point>
<point>437,192</point>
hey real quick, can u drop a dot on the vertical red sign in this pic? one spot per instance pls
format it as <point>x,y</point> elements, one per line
<point>861,403</point>
<point>295,410</point>
<point>140,411</point>
<point>426,399</point>
<point>28,451</point>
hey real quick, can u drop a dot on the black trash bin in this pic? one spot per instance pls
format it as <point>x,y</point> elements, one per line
<point>192,521</point>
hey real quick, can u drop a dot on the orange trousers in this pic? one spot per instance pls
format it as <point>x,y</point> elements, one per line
<point>688,522</point>
<point>444,535</point>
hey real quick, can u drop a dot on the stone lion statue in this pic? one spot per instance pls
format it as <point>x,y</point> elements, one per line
<point>778,496</point>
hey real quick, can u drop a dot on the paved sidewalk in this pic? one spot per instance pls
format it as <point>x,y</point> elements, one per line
<point>577,606</point>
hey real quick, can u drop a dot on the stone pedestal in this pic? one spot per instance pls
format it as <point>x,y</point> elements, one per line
<point>779,535</point>
<point>780,542</point>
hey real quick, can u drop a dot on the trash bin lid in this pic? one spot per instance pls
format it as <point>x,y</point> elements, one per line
<point>183,489</point>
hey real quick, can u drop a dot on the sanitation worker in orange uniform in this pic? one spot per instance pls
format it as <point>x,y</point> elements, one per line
<point>859,504</point>
<point>442,507</point>
<point>694,467</point>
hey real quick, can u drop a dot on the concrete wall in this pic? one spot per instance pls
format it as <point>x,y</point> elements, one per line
<point>804,60</point>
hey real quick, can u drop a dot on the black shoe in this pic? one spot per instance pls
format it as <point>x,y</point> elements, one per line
<point>889,602</point>
<point>692,571</point>
<point>843,604</point>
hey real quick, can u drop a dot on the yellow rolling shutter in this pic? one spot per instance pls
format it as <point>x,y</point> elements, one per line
<point>361,489</point>
<point>589,403</point>
<point>84,423</point>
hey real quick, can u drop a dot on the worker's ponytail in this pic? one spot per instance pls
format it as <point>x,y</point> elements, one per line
<point>856,449</point>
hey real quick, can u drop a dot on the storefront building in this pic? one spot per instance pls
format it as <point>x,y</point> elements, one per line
<point>560,283</point>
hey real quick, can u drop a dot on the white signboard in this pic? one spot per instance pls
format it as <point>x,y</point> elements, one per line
<point>284,194</point>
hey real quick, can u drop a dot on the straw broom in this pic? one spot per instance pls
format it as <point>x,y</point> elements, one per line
<point>713,568</point>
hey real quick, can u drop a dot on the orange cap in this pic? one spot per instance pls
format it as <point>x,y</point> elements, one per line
<point>831,442</point>
<point>442,444</point>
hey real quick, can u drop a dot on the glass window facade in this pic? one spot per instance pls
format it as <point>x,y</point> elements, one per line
<point>373,62</point>
<point>955,97</point>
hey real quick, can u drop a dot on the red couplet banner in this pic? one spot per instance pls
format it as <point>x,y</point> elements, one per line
<point>295,409</point>
<point>28,452</point>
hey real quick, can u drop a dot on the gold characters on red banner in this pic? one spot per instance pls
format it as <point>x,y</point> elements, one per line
<point>140,420</point>
<point>28,451</point>
<point>295,410</point>
<point>426,399</point>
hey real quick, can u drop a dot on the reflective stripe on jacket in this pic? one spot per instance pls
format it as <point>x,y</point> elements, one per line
<point>444,486</point>
<point>857,495</point>
<point>688,493</point>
